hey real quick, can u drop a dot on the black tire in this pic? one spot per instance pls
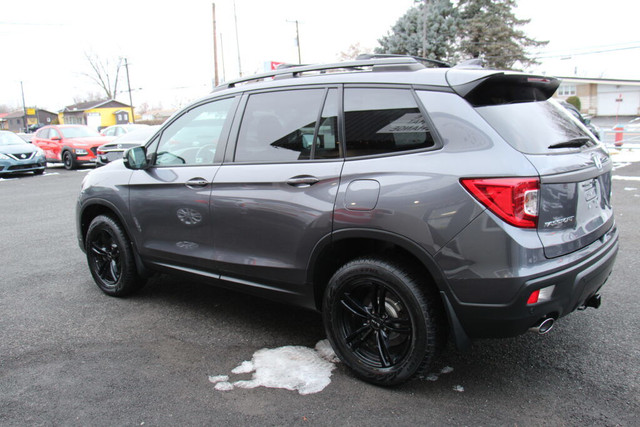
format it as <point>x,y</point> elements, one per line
<point>110,257</point>
<point>38,172</point>
<point>69,161</point>
<point>383,320</point>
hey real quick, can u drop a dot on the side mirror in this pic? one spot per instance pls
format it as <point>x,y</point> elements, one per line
<point>136,158</point>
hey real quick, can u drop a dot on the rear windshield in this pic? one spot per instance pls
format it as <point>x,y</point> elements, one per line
<point>541,127</point>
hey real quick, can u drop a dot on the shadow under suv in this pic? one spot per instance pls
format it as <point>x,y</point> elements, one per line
<point>405,203</point>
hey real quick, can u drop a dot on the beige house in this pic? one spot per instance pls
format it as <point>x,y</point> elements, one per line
<point>602,97</point>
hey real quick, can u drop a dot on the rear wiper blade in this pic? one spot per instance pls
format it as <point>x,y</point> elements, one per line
<point>572,143</point>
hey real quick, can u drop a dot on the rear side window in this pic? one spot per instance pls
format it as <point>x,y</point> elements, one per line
<point>540,127</point>
<point>380,121</point>
<point>283,126</point>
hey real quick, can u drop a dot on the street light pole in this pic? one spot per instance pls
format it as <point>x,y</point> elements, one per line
<point>24,108</point>
<point>216,80</point>
<point>133,115</point>
<point>297,40</point>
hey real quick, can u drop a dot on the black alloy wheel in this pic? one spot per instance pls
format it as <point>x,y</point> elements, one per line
<point>68,160</point>
<point>110,257</point>
<point>380,321</point>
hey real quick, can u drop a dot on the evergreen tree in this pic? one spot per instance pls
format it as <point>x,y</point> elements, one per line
<point>485,29</point>
<point>441,23</point>
<point>489,32</point>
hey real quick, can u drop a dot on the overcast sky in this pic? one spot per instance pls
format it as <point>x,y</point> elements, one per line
<point>169,45</point>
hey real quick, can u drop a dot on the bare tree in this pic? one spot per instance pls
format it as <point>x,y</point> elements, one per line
<point>352,52</point>
<point>104,74</point>
<point>89,96</point>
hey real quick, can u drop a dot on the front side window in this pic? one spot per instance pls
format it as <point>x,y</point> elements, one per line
<point>194,137</point>
<point>380,121</point>
<point>282,126</point>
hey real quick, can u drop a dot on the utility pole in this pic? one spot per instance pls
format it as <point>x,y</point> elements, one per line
<point>424,28</point>
<point>24,108</point>
<point>235,18</point>
<point>216,80</point>
<point>224,73</point>
<point>297,40</point>
<point>126,67</point>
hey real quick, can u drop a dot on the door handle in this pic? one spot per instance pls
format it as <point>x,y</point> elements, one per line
<point>197,183</point>
<point>302,181</point>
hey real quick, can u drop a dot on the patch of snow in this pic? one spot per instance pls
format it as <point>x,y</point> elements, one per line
<point>458,388</point>
<point>446,370</point>
<point>291,367</point>
<point>625,156</point>
<point>224,386</point>
<point>218,378</point>
<point>626,178</point>
<point>244,368</point>
<point>630,189</point>
<point>325,351</point>
<point>432,377</point>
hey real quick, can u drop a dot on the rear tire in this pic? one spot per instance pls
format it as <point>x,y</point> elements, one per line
<point>384,320</point>
<point>110,257</point>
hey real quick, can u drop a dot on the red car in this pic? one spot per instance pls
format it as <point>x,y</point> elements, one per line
<point>72,145</point>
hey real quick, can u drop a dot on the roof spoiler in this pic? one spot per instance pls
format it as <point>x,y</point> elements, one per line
<point>507,88</point>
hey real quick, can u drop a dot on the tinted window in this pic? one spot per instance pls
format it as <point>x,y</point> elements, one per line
<point>533,127</point>
<point>193,138</point>
<point>279,126</point>
<point>383,121</point>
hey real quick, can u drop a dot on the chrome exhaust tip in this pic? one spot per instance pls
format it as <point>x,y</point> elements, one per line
<point>543,327</point>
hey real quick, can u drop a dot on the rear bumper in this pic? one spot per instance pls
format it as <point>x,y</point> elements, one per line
<point>574,285</point>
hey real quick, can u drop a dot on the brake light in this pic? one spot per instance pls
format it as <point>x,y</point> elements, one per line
<point>514,200</point>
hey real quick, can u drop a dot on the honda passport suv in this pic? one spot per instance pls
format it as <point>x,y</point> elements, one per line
<point>406,203</point>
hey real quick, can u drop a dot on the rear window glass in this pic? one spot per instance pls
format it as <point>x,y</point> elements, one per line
<point>536,127</point>
<point>380,121</point>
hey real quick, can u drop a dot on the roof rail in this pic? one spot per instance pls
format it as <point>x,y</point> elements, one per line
<point>435,62</point>
<point>410,64</point>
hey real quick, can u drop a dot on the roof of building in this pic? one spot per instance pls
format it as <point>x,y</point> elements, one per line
<point>83,106</point>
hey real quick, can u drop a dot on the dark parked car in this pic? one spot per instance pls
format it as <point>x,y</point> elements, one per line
<point>586,121</point>
<point>405,203</point>
<point>114,149</point>
<point>18,156</point>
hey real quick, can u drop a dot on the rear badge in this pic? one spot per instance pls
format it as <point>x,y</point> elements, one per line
<point>560,221</point>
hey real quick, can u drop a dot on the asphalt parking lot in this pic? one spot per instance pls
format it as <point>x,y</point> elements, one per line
<point>69,355</point>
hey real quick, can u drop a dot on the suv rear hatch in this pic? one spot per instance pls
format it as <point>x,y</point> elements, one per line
<point>574,168</point>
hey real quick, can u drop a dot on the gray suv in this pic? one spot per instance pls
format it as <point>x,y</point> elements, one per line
<point>407,203</point>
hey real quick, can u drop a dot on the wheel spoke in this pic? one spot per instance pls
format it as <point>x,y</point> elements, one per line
<point>114,270</point>
<point>354,306</point>
<point>399,326</point>
<point>380,298</point>
<point>382,340</point>
<point>103,268</point>
<point>358,337</point>
<point>99,251</point>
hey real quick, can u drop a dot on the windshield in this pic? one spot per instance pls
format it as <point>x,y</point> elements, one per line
<point>535,127</point>
<point>10,138</point>
<point>78,132</point>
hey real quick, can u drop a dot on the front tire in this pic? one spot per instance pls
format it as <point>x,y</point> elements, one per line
<point>383,320</point>
<point>69,161</point>
<point>110,257</point>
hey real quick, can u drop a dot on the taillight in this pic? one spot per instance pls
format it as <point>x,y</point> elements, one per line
<point>515,200</point>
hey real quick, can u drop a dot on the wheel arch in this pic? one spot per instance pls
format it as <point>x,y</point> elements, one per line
<point>94,208</point>
<point>343,245</point>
